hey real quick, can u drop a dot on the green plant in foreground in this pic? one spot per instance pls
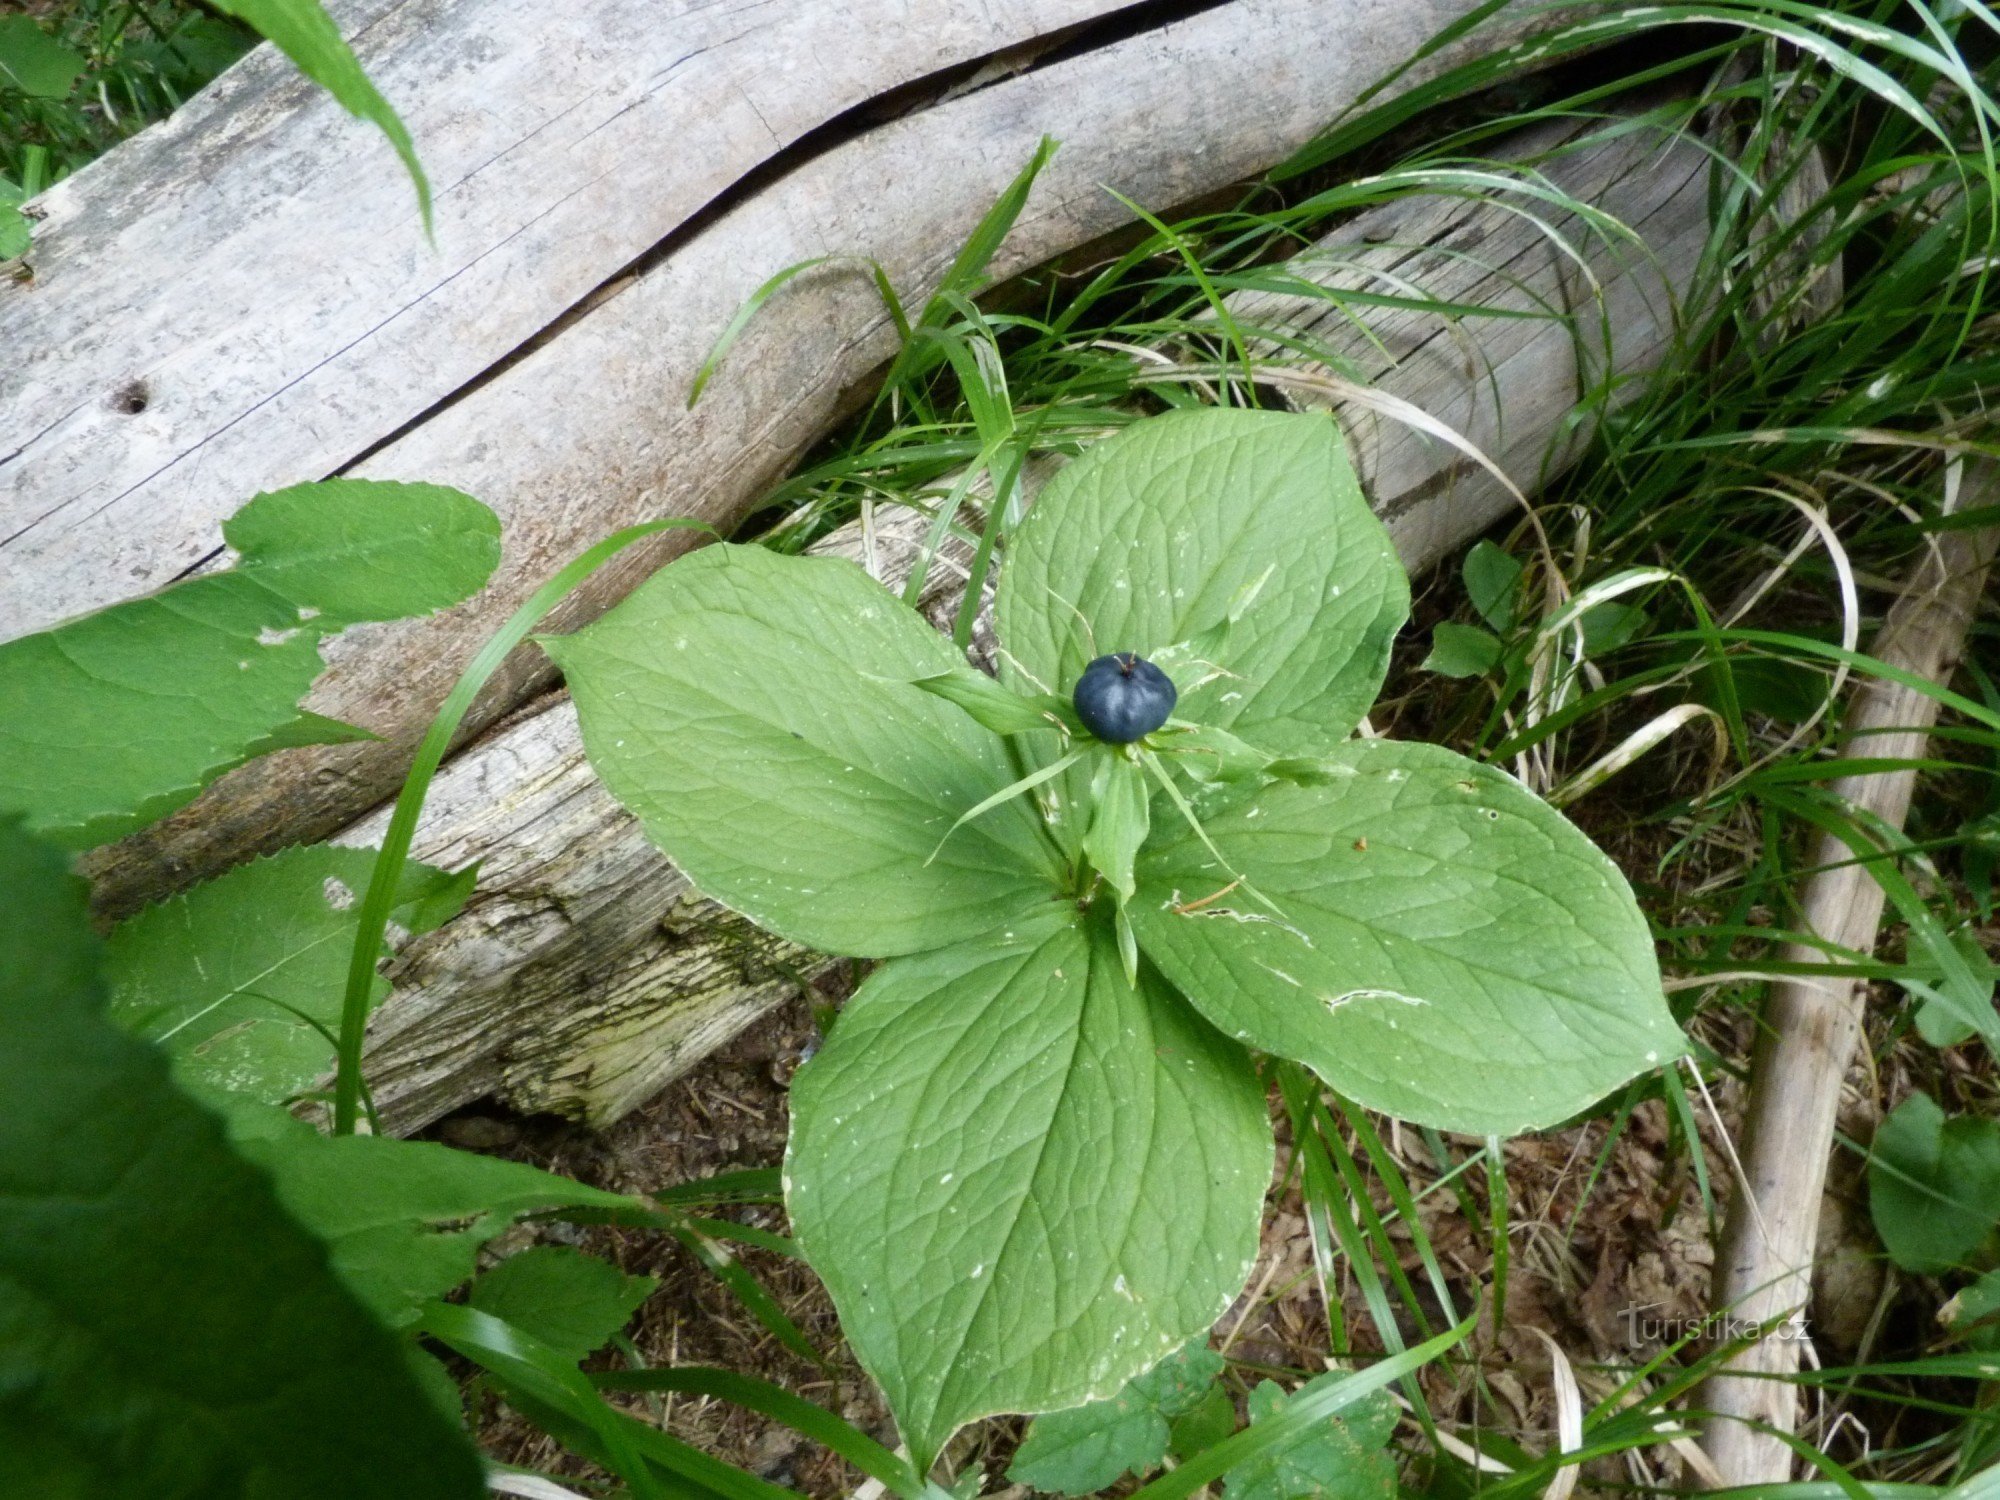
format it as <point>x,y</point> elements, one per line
<point>1029,1161</point>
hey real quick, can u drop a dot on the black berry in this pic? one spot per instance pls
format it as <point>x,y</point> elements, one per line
<point>1123,697</point>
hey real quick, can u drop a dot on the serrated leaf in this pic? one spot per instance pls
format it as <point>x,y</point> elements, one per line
<point>402,1220</point>
<point>1439,943</point>
<point>115,719</point>
<point>572,1302</point>
<point>1462,651</point>
<point>755,712</point>
<point>240,979</point>
<point>1493,582</point>
<point>1022,1179</point>
<point>165,1328</point>
<point>1152,535</point>
<point>366,549</point>
<point>1088,1448</point>
<point>34,62</point>
<point>1340,1459</point>
<point>1933,1184</point>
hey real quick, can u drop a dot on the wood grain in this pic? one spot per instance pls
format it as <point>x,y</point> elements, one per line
<point>588,430</point>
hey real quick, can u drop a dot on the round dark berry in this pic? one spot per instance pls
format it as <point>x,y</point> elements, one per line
<point>1123,697</point>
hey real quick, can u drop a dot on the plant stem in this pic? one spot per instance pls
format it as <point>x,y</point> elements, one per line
<point>373,922</point>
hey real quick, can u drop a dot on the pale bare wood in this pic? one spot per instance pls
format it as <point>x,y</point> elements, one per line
<point>255,268</point>
<point>1810,1024</point>
<point>585,973</point>
<point>588,431</point>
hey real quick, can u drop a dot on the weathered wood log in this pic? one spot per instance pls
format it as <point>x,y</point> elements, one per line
<point>585,973</point>
<point>1810,1024</point>
<point>134,432</point>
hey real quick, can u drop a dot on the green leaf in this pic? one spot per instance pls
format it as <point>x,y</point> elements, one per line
<point>1493,582</point>
<point>1089,1448</point>
<point>1209,754</point>
<point>999,708</point>
<point>366,549</point>
<point>165,1328</point>
<point>1933,1184</point>
<point>304,32</point>
<point>1973,1314</point>
<point>1439,943</point>
<point>1150,537</point>
<point>1119,819</point>
<point>35,63</point>
<point>1609,625</point>
<point>1342,1458</point>
<point>1207,1423</point>
<point>1022,1179</point>
<point>572,1302</point>
<point>16,233</point>
<point>403,1220</point>
<point>115,719</point>
<point>756,712</point>
<point>239,980</point>
<point>1462,651</point>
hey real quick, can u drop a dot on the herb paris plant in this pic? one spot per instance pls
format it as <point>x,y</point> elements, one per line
<point>1030,1159</point>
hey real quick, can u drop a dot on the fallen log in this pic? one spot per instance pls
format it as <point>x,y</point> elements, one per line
<point>585,973</point>
<point>171,378</point>
<point>1810,1024</point>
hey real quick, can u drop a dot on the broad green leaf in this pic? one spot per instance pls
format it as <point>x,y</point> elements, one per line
<point>572,1302</point>
<point>756,712</point>
<point>366,549</point>
<point>304,32</point>
<point>239,980</point>
<point>1933,1184</point>
<point>1089,1448</point>
<point>115,719</point>
<point>1438,942</point>
<point>402,1220</point>
<point>34,62</point>
<point>1493,582</point>
<point>165,1328</point>
<point>1149,539</point>
<point>1343,1457</point>
<point>1462,651</point>
<point>1023,1179</point>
